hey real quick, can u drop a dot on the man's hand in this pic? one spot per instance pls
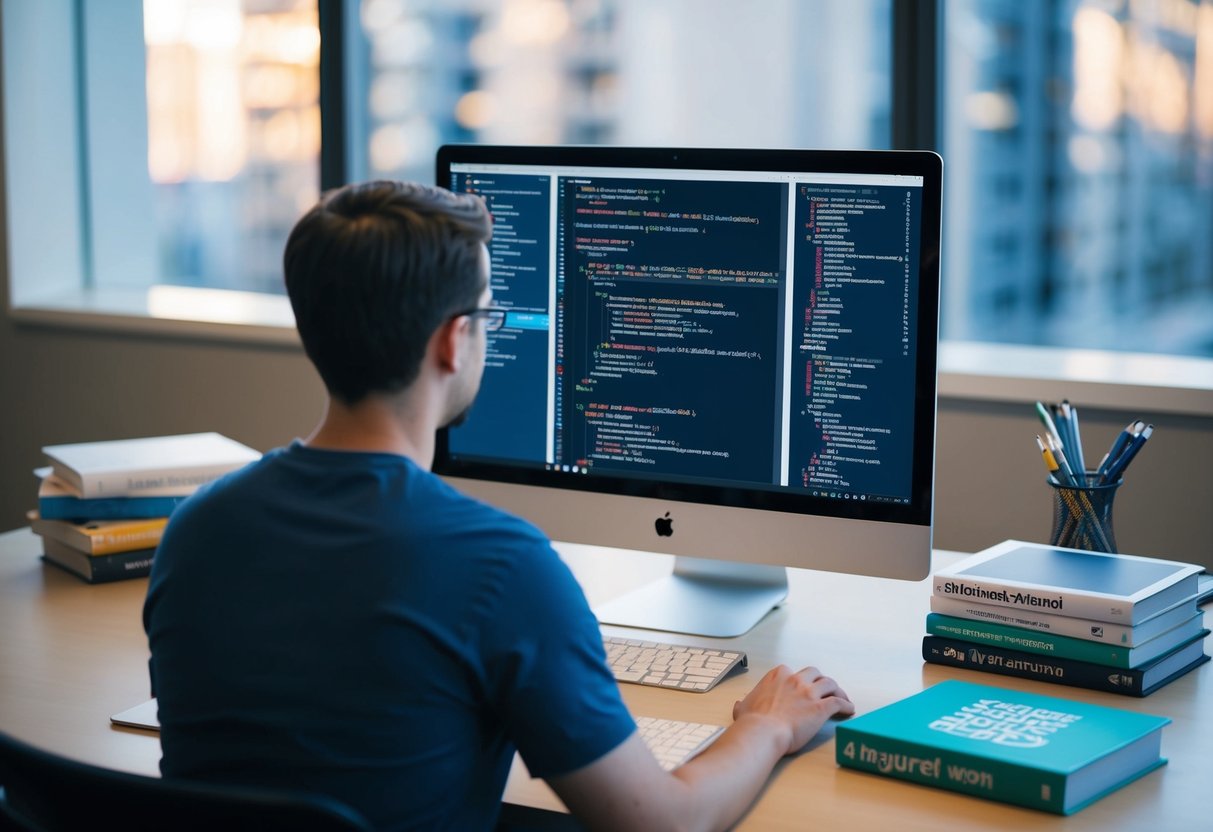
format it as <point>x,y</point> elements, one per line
<point>800,701</point>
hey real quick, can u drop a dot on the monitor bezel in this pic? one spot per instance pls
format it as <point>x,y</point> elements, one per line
<point>926,164</point>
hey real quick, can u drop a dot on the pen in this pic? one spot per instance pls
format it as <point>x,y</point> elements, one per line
<point>1080,466</point>
<point>1117,468</point>
<point>1059,455</point>
<point>1118,447</point>
<point>1047,421</point>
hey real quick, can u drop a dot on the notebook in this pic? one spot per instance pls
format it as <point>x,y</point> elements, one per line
<point>143,715</point>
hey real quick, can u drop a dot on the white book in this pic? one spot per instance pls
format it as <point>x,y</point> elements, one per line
<point>152,466</point>
<point>1120,589</point>
<point>1104,632</point>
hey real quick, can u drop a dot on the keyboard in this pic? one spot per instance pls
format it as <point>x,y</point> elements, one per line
<point>676,666</point>
<point>672,741</point>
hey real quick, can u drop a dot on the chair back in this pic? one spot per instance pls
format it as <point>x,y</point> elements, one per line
<point>44,792</point>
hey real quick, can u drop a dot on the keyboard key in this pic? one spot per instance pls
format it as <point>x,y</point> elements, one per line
<point>674,742</point>
<point>670,665</point>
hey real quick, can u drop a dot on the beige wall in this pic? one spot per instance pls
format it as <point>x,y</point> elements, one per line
<point>66,386</point>
<point>61,385</point>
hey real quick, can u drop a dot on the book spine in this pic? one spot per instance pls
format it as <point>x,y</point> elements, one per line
<point>948,769</point>
<point>115,508</point>
<point>1058,602</point>
<point>107,568</point>
<point>1027,641</point>
<point>144,534</point>
<point>1062,625</point>
<point>959,653</point>
<point>152,483</point>
<point>105,537</point>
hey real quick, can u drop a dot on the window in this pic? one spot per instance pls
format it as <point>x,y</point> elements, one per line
<point>1078,136</point>
<point>188,132</point>
<point>629,72</point>
<point>169,145</point>
<point>233,136</point>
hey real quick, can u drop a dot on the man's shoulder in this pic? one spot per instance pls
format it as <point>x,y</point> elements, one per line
<point>472,519</point>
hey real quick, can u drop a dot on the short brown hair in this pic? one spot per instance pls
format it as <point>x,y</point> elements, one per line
<point>373,270</point>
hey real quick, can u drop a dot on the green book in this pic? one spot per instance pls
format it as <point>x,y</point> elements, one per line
<point>1042,752</point>
<point>1064,647</point>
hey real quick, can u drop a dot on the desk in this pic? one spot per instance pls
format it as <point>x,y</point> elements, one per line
<point>72,654</point>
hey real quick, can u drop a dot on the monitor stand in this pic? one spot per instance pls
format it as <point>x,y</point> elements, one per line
<point>716,598</point>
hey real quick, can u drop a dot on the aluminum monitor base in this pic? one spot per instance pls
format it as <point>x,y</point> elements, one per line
<point>720,599</point>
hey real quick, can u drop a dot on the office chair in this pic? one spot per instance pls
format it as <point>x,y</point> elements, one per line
<point>43,792</point>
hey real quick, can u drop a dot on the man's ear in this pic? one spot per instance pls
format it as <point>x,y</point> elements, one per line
<point>449,343</point>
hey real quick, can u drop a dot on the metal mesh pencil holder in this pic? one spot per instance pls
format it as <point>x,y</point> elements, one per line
<point>1082,516</point>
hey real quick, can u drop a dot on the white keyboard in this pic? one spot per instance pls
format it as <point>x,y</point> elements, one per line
<point>674,742</point>
<point>675,666</point>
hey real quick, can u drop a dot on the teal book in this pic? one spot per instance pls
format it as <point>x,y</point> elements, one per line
<point>1048,644</point>
<point>1042,752</point>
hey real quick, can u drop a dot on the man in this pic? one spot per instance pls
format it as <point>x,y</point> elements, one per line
<point>337,619</point>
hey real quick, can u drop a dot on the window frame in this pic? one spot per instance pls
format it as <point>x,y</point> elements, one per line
<point>51,238</point>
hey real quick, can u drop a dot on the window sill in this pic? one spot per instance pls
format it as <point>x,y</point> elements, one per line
<point>967,370</point>
<point>168,311</point>
<point>1139,382</point>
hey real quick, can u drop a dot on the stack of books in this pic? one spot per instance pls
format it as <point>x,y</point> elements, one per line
<point>1117,623</point>
<point>102,506</point>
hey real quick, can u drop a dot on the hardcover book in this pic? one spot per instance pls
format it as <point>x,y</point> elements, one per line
<point>1139,681</point>
<point>1121,589</point>
<point>1031,750</point>
<point>58,501</point>
<point>101,537</point>
<point>1047,644</point>
<point>98,569</point>
<point>150,466</point>
<point>1103,632</point>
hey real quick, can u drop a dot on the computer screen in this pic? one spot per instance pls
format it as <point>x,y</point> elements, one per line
<point>725,355</point>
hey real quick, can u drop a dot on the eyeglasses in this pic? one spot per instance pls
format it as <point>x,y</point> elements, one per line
<point>494,317</point>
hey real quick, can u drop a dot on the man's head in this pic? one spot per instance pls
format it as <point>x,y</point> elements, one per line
<point>373,271</point>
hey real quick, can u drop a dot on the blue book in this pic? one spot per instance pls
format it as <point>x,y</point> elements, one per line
<point>1121,589</point>
<point>57,501</point>
<point>1037,751</point>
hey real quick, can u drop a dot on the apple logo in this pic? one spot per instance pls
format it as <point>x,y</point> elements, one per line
<point>664,525</point>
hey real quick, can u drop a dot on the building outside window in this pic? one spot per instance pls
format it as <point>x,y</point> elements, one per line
<point>1078,140</point>
<point>233,133</point>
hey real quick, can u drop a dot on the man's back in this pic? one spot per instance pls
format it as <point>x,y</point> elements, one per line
<point>344,622</point>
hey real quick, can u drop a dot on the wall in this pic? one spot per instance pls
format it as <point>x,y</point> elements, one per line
<point>60,385</point>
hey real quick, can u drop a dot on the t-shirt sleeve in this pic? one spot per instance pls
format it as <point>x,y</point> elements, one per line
<point>547,671</point>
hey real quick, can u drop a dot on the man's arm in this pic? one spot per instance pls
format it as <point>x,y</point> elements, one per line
<point>627,789</point>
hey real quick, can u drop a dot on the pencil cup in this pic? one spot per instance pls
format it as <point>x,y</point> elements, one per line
<point>1082,517</point>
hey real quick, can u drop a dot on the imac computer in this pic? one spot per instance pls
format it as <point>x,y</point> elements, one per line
<point>723,355</point>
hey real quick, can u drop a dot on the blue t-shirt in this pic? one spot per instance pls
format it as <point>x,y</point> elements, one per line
<point>347,623</point>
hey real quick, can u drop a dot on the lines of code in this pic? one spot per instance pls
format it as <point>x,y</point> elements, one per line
<point>671,290</point>
<point>854,344</point>
<point>656,314</point>
<point>510,415</point>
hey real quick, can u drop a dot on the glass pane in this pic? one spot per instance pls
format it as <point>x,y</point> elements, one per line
<point>1078,139</point>
<point>787,73</point>
<point>233,135</point>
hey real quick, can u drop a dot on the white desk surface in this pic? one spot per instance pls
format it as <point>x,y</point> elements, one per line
<point>72,654</point>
